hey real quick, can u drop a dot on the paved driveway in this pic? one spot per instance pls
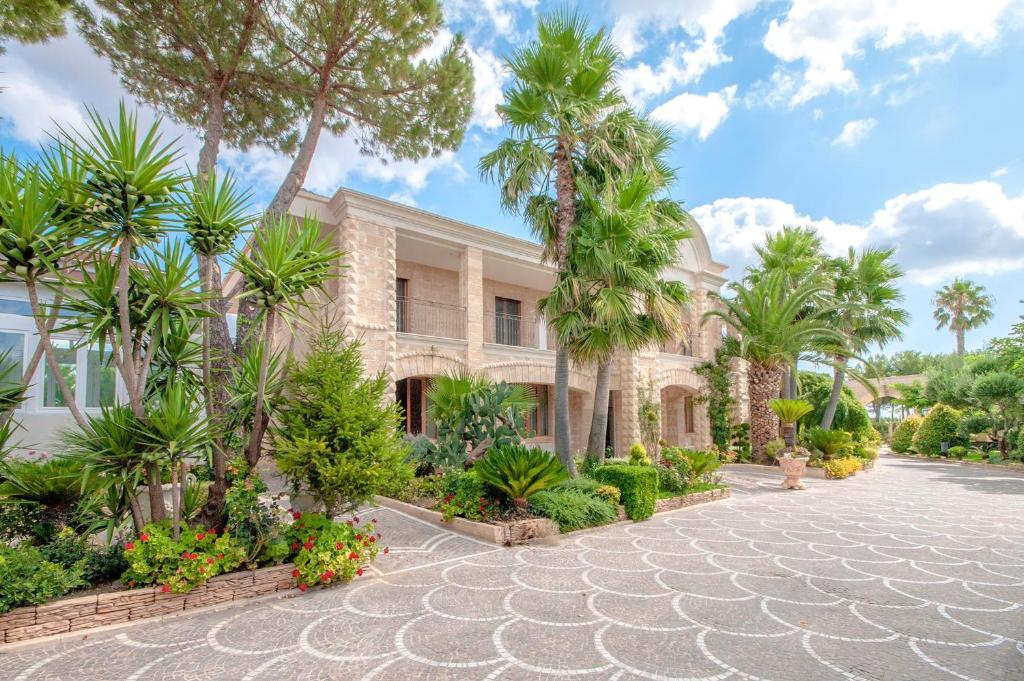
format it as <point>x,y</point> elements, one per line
<point>913,571</point>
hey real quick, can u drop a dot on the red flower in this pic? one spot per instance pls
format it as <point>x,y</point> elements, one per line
<point>131,582</point>
<point>202,570</point>
<point>324,578</point>
<point>329,573</point>
<point>373,520</point>
<point>359,572</point>
<point>355,519</point>
<point>303,587</point>
<point>220,556</point>
<point>296,515</point>
<point>209,561</point>
<point>143,538</point>
<point>129,546</point>
<point>386,550</point>
<point>373,539</point>
<point>378,535</point>
<point>366,543</point>
<point>200,536</point>
<point>295,573</point>
<point>295,546</point>
<point>309,545</point>
<point>353,556</point>
<point>212,532</point>
<point>339,546</point>
<point>359,537</point>
<point>165,589</point>
<point>193,556</point>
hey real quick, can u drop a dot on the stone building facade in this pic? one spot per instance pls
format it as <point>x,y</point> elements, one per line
<point>430,295</point>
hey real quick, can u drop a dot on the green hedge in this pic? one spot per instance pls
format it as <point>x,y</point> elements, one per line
<point>939,425</point>
<point>638,484</point>
<point>572,509</point>
<point>903,436</point>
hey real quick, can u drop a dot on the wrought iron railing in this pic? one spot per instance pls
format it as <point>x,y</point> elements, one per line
<point>678,346</point>
<point>519,331</point>
<point>428,318</point>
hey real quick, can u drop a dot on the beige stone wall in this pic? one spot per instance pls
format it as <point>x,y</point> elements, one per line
<point>431,284</point>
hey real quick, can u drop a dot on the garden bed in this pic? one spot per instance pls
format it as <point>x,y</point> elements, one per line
<point>81,613</point>
<point>1014,466</point>
<point>506,533</point>
<point>666,504</point>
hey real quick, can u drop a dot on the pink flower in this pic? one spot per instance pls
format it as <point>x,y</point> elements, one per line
<point>373,520</point>
<point>295,546</point>
<point>355,519</point>
<point>373,539</point>
<point>209,561</point>
<point>339,546</point>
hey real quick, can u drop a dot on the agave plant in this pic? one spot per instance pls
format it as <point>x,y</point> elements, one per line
<point>830,443</point>
<point>519,471</point>
<point>789,412</point>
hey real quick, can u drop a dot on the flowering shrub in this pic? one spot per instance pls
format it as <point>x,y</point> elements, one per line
<point>471,499</point>
<point>325,551</point>
<point>182,565</point>
<point>843,467</point>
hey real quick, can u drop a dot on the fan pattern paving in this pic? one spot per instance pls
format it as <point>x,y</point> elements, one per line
<point>913,571</point>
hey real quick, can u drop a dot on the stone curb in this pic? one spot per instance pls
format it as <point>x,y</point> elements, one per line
<point>87,613</point>
<point>504,534</point>
<point>1017,468</point>
<point>809,471</point>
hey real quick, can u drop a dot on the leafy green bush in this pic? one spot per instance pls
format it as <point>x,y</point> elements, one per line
<point>22,522</point>
<point>939,425</point>
<point>334,438</point>
<point>638,455</point>
<point>637,484</point>
<point>573,510</point>
<point>675,457</point>
<point>422,487</point>
<point>520,471</point>
<point>850,416</point>
<point>702,464</point>
<point>958,451</point>
<point>669,480</point>
<point>903,436</point>
<point>831,443</point>
<point>774,447</point>
<point>182,565</point>
<point>72,551</point>
<point>325,551</point>
<point>57,486</point>
<point>248,520</point>
<point>471,498</point>
<point>26,578</point>
<point>591,487</point>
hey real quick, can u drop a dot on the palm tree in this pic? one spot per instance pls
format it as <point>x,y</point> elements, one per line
<point>960,307</point>
<point>611,295</point>
<point>776,323</point>
<point>562,108</point>
<point>865,296</point>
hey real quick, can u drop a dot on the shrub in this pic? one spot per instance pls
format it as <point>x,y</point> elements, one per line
<point>72,551</point>
<point>675,457</point>
<point>20,522</point>
<point>958,451</point>
<point>938,426</point>
<point>182,565</point>
<point>702,464</point>
<point>774,447</point>
<point>422,487</point>
<point>470,498</point>
<point>865,451</point>
<point>609,493</point>
<point>842,467</point>
<point>850,415</point>
<point>903,436</point>
<point>325,551</point>
<point>26,578</point>
<point>573,510</point>
<point>637,484</point>
<point>249,521</point>
<point>638,455</point>
<point>669,480</point>
<point>57,486</point>
<point>831,443</point>
<point>520,471</point>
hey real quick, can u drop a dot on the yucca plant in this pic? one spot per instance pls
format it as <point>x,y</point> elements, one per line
<point>789,412</point>
<point>519,471</point>
<point>831,443</point>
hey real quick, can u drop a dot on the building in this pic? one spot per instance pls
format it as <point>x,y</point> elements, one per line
<point>430,295</point>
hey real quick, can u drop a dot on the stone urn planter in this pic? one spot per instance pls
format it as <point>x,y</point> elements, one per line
<point>793,468</point>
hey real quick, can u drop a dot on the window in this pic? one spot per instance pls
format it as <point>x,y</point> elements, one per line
<point>537,420</point>
<point>12,357</point>
<point>67,360</point>
<point>688,413</point>
<point>100,378</point>
<point>401,305</point>
<point>506,321</point>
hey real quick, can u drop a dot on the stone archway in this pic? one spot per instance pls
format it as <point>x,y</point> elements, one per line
<point>426,364</point>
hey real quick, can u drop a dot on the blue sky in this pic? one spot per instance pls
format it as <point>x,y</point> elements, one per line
<point>880,122</point>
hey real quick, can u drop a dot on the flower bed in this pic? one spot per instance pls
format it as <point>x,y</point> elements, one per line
<point>103,609</point>
<point>506,533</point>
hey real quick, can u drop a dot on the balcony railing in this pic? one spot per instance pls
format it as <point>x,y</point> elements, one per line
<point>678,346</point>
<point>518,331</point>
<point>428,318</point>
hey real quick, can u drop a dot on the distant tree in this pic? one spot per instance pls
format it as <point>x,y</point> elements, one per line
<point>998,394</point>
<point>960,307</point>
<point>32,21</point>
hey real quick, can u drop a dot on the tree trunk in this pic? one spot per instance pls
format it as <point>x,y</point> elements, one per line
<point>960,343</point>
<point>762,387</point>
<point>157,510</point>
<point>213,133</point>
<point>787,385</point>
<point>838,375</point>
<point>51,357</point>
<point>175,503</point>
<point>599,421</point>
<point>563,436</point>
<point>137,518</point>
<point>253,453</point>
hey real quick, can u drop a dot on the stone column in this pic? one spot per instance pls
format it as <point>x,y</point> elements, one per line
<point>471,298</point>
<point>700,334</point>
<point>629,382</point>
<point>348,285</point>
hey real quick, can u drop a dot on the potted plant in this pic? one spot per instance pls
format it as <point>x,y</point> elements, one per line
<point>793,461</point>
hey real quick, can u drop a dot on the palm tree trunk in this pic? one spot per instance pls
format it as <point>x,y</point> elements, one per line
<point>960,343</point>
<point>253,453</point>
<point>563,431</point>
<point>157,510</point>
<point>175,503</point>
<point>838,376</point>
<point>762,387</point>
<point>599,421</point>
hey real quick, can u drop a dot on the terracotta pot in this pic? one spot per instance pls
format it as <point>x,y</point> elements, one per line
<point>793,468</point>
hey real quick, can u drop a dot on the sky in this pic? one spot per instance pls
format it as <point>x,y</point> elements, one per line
<point>892,123</point>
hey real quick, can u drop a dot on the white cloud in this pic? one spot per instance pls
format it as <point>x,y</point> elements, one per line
<point>823,35</point>
<point>403,197</point>
<point>939,232</point>
<point>30,108</point>
<point>999,172</point>
<point>854,132</point>
<point>489,78</point>
<point>704,23</point>
<point>940,57</point>
<point>699,113</point>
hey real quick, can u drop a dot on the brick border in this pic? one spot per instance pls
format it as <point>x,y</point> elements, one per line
<point>676,503</point>
<point>100,610</point>
<point>505,534</point>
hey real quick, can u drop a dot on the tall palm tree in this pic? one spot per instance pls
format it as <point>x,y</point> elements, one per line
<point>611,295</point>
<point>776,323</point>
<point>960,307</point>
<point>866,299</point>
<point>562,108</point>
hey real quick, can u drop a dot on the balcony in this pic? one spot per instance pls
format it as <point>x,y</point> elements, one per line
<point>678,346</point>
<point>502,329</point>
<point>427,318</point>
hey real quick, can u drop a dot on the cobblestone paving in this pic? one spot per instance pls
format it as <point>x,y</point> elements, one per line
<point>912,571</point>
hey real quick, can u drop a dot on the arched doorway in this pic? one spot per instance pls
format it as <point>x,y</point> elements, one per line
<point>679,416</point>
